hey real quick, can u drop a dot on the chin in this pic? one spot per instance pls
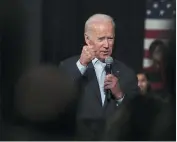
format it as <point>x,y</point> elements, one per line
<point>102,57</point>
<point>105,56</point>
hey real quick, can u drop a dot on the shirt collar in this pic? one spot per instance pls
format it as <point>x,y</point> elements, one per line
<point>95,61</point>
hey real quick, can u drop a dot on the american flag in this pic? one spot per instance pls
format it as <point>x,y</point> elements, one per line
<point>158,24</point>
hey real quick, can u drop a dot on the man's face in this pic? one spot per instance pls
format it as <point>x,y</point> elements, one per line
<point>102,39</point>
<point>142,83</point>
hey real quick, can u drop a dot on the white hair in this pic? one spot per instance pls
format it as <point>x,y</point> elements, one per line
<point>98,18</point>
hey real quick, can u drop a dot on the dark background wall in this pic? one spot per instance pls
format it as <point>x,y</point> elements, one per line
<point>20,39</point>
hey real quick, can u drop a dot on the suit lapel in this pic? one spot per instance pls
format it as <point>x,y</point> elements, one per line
<point>93,82</point>
<point>115,70</point>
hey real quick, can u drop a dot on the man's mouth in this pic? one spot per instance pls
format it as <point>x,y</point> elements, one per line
<point>105,52</point>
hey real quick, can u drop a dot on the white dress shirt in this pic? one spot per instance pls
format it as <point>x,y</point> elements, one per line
<point>100,73</point>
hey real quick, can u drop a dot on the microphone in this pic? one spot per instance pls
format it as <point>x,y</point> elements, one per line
<point>108,69</point>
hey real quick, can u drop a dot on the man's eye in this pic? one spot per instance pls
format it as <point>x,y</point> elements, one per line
<point>101,38</point>
<point>110,38</point>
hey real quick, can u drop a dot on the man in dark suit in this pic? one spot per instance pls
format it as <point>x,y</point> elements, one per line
<point>88,71</point>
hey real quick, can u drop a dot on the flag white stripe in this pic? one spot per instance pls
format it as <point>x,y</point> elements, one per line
<point>148,41</point>
<point>160,24</point>
<point>147,62</point>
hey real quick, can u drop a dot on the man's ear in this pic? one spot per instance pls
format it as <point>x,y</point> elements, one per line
<point>87,40</point>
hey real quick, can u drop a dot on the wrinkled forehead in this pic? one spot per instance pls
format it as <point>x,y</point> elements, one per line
<point>102,28</point>
<point>104,24</point>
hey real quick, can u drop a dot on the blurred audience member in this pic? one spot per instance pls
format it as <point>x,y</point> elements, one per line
<point>44,106</point>
<point>145,87</point>
<point>156,71</point>
<point>143,83</point>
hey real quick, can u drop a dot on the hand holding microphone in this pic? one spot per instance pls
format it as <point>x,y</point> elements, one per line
<point>111,83</point>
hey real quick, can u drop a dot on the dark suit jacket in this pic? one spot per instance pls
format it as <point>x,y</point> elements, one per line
<point>90,110</point>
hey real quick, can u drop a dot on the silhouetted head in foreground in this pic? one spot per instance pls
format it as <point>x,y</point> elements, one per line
<point>45,102</point>
<point>43,92</point>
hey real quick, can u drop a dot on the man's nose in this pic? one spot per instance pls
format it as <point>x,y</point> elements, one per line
<point>106,43</point>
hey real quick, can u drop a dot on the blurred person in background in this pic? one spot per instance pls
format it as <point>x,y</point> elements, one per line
<point>44,103</point>
<point>156,71</point>
<point>145,88</point>
<point>143,83</point>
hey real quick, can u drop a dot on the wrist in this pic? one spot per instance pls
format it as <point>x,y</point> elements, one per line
<point>119,95</point>
<point>82,62</point>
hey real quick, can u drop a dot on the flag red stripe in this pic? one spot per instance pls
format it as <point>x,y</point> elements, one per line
<point>157,34</point>
<point>157,85</point>
<point>146,53</point>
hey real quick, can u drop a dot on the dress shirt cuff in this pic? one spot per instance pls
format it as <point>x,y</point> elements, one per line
<point>81,68</point>
<point>118,101</point>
